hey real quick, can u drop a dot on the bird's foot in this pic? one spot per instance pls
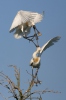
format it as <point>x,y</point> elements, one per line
<point>39,34</point>
<point>37,82</point>
<point>35,35</point>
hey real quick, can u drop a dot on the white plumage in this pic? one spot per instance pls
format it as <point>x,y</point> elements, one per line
<point>23,22</point>
<point>36,57</point>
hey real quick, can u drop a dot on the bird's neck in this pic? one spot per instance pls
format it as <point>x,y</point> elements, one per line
<point>35,54</point>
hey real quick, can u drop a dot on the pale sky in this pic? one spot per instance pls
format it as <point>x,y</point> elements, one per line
<point>52,71</point>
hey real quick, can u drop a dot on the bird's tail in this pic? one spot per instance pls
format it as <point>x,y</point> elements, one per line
<point>18,34</point>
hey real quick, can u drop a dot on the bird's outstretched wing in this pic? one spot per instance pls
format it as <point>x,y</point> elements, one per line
<point>37,17</point>
<point>23,17</point>
<point>20,18</point>
<point>49,43</point>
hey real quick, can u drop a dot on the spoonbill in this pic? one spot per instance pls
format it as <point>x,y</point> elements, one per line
<point>23,22</point>
<point>36,57</point>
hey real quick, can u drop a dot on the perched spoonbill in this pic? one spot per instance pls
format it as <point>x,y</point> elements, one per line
<point>36,57</point>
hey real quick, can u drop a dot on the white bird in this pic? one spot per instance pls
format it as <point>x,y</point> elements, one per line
<point>36,57</point>
<point>23,22</point>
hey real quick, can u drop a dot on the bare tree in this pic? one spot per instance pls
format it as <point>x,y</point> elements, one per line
<point>15,89</point>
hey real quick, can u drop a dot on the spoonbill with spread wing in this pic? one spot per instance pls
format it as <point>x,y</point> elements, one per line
<point>23,22</point>
<point>36,57</point>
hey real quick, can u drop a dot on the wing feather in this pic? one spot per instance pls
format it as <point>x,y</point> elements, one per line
<point>49,43</point>
<point>36,17</point>
<point>23,17</point>
<point>16,22</point>
<point>20,18</point>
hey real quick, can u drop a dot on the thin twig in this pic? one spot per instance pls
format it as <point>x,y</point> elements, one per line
<point>42,92</point>
<point>3,96</point>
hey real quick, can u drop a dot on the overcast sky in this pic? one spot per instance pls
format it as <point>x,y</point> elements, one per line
<point>52,71</point>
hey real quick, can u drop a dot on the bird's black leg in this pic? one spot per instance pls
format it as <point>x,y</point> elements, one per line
<point>34,27</point>
<point>36,36</point>
<point>36,72</point>
<point>38,81</point>
<point>30,40</point>
<point>30,37</point>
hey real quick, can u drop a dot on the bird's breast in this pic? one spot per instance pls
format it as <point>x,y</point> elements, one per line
<point>36,60</point>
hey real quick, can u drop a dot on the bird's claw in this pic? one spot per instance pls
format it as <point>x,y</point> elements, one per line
<point>39,34</point>
<point>37,82</point>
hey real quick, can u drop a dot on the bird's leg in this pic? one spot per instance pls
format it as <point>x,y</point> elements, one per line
<point>34,27</point>
<point>37,41</point>
<point>36,72</point>
<point>30,37</point>
<point>34,43</point>
<point>35,35</point>
<point>30,40</point>
<point>38,81</point>
<point>39,34</point>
